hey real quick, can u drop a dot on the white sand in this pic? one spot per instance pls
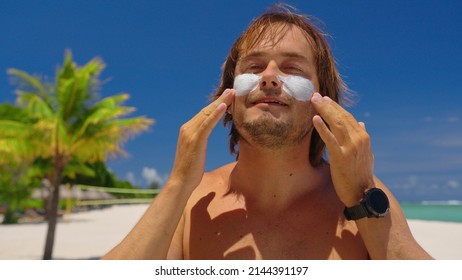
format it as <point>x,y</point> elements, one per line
<point>89,235</point>
<point>86,235</point>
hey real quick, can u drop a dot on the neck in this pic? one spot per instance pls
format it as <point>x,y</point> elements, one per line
<point>275,178</point>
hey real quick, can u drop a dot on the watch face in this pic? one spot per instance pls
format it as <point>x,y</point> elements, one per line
<point>377,202</point>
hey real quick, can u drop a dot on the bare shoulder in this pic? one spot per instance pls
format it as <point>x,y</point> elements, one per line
<point>215,181</point>
<point>222,172</point>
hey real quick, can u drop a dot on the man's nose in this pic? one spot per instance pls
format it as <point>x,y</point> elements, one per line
<point>269,78</point>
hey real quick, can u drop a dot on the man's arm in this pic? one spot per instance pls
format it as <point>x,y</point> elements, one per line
<point>390,237</point>
<point>152,235</point>
<point>352,164</point>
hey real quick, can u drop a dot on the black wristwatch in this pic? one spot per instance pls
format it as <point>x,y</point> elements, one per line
<point>374,204</point>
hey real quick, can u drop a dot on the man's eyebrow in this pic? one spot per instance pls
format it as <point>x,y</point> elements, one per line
<point>259,54</point>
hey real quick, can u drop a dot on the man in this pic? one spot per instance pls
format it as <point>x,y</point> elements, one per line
<point>280,199</point>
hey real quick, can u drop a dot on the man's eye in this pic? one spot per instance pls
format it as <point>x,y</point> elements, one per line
<point>254,68</point>
<point>292,69</point>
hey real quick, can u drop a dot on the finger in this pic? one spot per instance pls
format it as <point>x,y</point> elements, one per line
<point>227,97</point>
<point>214,111</point>
<point>324,132</point>
<point>363,125</point>
<point>348,118</point>
<point>331,112</point>
<point>209,123</point>
<point>331,115</point>
<point>341,122</point>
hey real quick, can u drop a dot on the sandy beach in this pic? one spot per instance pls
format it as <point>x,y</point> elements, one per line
<point>88,235</point>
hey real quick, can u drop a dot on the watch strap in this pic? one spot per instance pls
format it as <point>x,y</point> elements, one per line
<point>374,204</point>
<point>356,212</point>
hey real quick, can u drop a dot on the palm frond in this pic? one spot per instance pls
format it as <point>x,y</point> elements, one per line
<point>36,106</point>
<point>76,86</point>
<point>109,137</point>
<point>17,144</point>
<point>27,81</point>
<point>62,122</point>
<point>103,111</point>
<point>76,167</point>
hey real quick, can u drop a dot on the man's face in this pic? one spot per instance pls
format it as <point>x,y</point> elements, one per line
<point>269,116</point>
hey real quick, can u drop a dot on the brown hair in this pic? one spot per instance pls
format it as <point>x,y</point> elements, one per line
<point>272,25</point>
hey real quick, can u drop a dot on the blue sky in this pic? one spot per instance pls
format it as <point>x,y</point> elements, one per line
<point>402,58</point>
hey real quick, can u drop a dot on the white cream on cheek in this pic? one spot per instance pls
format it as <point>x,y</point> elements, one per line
<point>245,83</point>
<point>296,86</point>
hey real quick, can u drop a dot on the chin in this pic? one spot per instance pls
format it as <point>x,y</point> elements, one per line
<point>266,114</point>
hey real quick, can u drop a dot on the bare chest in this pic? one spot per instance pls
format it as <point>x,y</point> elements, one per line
<point>223,232</point>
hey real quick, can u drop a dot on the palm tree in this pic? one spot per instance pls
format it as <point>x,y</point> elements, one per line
<point>16,123</point>
<point>71,124</point>
<point>18,175</point>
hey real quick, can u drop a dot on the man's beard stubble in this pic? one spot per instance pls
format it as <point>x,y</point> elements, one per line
<point>268,132</point>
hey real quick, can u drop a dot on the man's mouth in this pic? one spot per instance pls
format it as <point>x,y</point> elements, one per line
<point>270,101</point>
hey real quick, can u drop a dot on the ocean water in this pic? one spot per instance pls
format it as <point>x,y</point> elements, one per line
<point>446,211</point>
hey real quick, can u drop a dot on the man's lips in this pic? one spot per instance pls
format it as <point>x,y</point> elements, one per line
<point>269,101</point>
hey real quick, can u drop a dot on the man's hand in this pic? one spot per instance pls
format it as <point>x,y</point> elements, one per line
<point>348,144</point>
<point>151,237</point>
<point>192,142</point>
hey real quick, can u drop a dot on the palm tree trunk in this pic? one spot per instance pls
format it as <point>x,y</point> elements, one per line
<point>53,215</point>
<point>9,217</point>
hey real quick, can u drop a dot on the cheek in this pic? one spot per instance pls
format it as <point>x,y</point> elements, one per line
<point>305,110</point>
<point>298,87</point>
<point>237,105</point>
<point>245,83</point>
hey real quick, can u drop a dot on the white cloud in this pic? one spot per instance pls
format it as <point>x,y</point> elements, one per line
<point>413,180</point>
<point>151,175</point>
<point>453,184</point>
<point>147,176</point>
<point>452,119</point>
<point>131,177</point>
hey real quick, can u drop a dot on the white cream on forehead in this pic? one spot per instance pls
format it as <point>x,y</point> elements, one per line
<point>296,86</point>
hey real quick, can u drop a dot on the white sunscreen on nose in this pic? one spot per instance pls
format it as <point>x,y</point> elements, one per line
<point>296,86</point>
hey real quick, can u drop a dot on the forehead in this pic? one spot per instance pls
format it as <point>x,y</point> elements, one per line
<point>285,39</point>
